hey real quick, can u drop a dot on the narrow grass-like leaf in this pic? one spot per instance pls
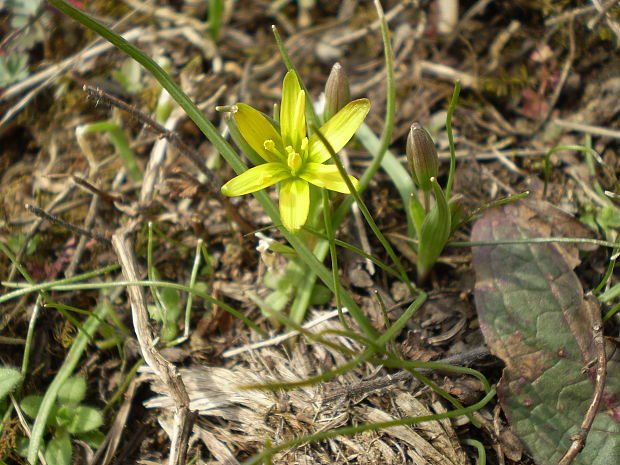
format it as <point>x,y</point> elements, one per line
<point>451,108</point>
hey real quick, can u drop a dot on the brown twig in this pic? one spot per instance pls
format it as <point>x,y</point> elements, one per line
<point>460,359</point>
<point>579,439</point>
<point>95,190</point>
<point>65,224</point>
<point>165,371</point>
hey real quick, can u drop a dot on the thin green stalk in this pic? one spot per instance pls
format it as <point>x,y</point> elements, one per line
<point>610,294</point>
<point>150,272</point>
<point>28,347</point>
<point>495,203</point>
<point>610,269</point>
<point>394,169</point>
<point>216,8</point>
<point>615,309</point>
<point>48,300</point>
<point>451,108</point>
<point>535,240</point>
<point>66,370</point>
<point>390,112</point>
<point>482,454</point>
<point>145,283</point>
<point>345,245</point>
<point>329,229</point>
<point>374,345</point>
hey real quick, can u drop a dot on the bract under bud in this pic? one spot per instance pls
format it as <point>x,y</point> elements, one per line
<point>422,156</point>
<point>337,91</point>
<point>457,211</point>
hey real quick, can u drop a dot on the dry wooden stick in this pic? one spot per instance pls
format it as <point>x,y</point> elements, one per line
<point>183,418</point>
<point>579,439</point>
<point>461,359</point>
<point>65,224</point>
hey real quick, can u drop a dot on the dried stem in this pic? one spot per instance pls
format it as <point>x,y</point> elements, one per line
<point>579,439</point>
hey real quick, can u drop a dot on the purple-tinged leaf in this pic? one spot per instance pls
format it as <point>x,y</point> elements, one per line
<point>533,316</point>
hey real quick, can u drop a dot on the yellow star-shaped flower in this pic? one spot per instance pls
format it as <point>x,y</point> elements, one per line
<point>293,159</point>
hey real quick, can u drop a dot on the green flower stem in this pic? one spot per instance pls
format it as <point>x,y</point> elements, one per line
<point>66,370</point>
<point>610,269</point>
<point>498,202</point>
<point>535,240</point>
<point>453,103</point>
<point>301,300</point>
<point>220,144</point>
<point>356,250</point>
<point>216,8</point>
<point>329,229</point>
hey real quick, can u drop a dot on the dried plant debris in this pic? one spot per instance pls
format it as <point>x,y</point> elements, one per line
<point>241,420</point>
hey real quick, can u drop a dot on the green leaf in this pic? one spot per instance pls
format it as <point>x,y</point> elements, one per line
<point>9,380</point>
<point>321,295</point>
<point>30,405</point>
<point>533,316</point>
<point>435,232</point>
<point>59,450</point>
<point>93,438</point>
<point>170,297</point>
<point>84,419</point>
<point>276,301</point>
<point>21,446</point>
<point>72,391</point>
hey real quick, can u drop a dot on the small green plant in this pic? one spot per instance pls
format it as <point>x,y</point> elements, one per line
<point>68,418</point>
<point>167,311</point>
<point>28,26</point>
<point>433,224</point>
<point>10,378</point>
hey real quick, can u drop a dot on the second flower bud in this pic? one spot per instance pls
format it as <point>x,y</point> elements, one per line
<point>422,156</point>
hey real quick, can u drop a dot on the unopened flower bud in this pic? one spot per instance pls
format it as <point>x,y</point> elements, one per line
<point>337,91</point>
<point>422,156</point>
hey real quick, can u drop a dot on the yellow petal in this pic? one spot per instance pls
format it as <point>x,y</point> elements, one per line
<point>327,176</point>
<point>255,179</point>
<point>339,129</point>
<point>256,129</point>
<point>292,116</point>
<point>294,203</point>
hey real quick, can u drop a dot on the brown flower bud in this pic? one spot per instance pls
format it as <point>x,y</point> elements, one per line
<point>337,91</point>
<point>422,156</point>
